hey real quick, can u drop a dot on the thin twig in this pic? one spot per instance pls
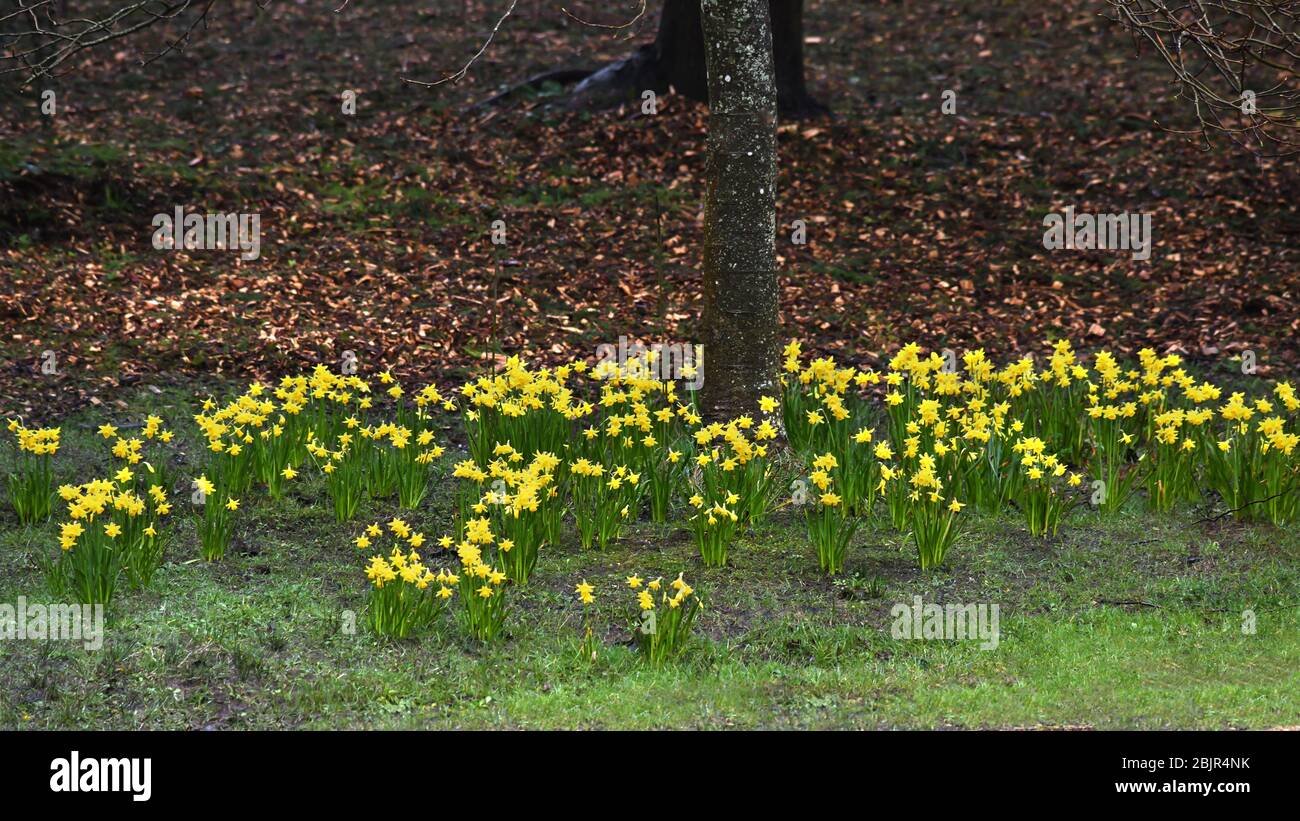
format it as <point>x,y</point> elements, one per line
<point>1226,513</point>
<point>460,75</point>
<point>619,27</point>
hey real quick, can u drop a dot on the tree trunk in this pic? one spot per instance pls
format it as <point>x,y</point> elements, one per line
<point>740,284</point>
<point>676,59</point>
<point>680,48</point>
<point>792,99</point>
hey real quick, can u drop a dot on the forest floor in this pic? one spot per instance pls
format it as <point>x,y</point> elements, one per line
<point>1131,622</point>
<point>375,227</point>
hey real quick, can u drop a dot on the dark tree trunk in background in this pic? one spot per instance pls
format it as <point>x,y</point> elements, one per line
<point>679,50</point>
<point>739,323</point>
<point>792,98</point>
<point>677,58</point>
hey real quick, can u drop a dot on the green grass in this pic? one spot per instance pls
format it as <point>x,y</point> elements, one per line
<point>259,640</point>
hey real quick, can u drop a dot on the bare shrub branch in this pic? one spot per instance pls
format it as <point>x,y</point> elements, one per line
<point>1237,61</point>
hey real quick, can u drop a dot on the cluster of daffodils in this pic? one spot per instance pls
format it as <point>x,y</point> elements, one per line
<point>534,410</point>
<point>344,469</point>
<point>734,483</point>
<point>1046,493</point>
<point>961,431</point>
<point>36,441</point>
<point>394,459</point>
<point>406,596</point>
<point>830,525</point>
<point>604,500</point>
<point>524,507</point>
<point>31,483</point>
<point>715,527</point>
<point>233,436</point>
<point>131,451</point>
<point>665,616</point>
<point>732,461</point>
<point>662,620</point>
<point>480,579</point>
<point>111,531</point>
<point>574,455</point>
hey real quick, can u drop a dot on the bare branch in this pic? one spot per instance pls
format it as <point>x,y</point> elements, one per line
<point>36,41</point>
<point>628,24</point>
<point>1237,61</point>
<point>460,75</point>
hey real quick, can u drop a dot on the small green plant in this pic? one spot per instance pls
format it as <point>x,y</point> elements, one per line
<point>344,470</point>
<point>588,647</point>
<point>214,524</point>
<point>830,529</point>
<point>856,586</point>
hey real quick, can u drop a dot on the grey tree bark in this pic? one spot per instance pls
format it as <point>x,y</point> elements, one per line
<point>739,324</point>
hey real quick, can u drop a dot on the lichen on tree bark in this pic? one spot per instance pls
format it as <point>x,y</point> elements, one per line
<point>740,280</point>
